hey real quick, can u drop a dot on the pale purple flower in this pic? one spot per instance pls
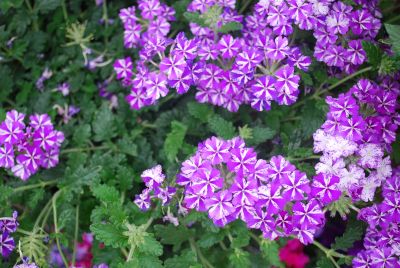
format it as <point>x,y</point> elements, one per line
<point>153,177</point>
<point>220,207</point>
<point>123,68</point>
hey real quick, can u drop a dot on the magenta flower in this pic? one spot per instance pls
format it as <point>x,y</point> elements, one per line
<point>207,182</point>
<point>7,156</point>
<point>270,197</point>
<point>10,132</point>
<point>173,66</point>
<point>153,177</point>
<point>242,160</point>
<point>228,46</point>
<point>324,188</point>
<point>244,191</point>
<point>216,150</point>
<point>123,68</point>
<point>220,207</point>
<point>295,186</point>
<point>308,214</point>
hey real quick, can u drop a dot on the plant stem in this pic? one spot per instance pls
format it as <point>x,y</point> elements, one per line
<point>56,231</point>
<point>330,253</point>
<point>75,235</point>
<point>64,10</point>
<point>347,78</point>
<point>244,7</point>
<point>196,249</point>
<point>256,238</point>
<point>41,184</point>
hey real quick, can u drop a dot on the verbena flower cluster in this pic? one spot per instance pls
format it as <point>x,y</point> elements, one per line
<point>360,128</point>
<point>154,179</point>
<point>227,180</point>
<point>8,225</point>
<point>256,68</point>
<point>382,239</point>
<point>26,148</point>
<point>340,29</point>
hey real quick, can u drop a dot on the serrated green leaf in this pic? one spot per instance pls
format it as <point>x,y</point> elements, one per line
<point>346,241</point>
<point>5,5</point>
<point>374,54</point>
<point>106,194</point>
<point>104,124</point>
<point>186,259</point>
<point>230,27</point>
<point>142,261</point>
<point>394,35</point>
<point>209,239</point>
<point>173,235</point>
<point>196,18</point>
<point>221,127</point>
<point>150,246</point>
<point>270,252</point>
<point>324,262</point>
<point>262,134</point>
<point>239,258</point>
<point>109,234</point>
<point>173,142</point>
<point>82,134</point>
<point>200,111</point>
<point>45,6</point>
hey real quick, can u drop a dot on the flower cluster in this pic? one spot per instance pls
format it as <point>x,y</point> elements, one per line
<point>340,30</point>
<point>292,254</point>
<point>25,148</point>
<point>382,240</point>
<point>225,179</point>
<point>256,68</point>
<point>26,264</point>
<point>360,127</point>
<point>154,179</point>
<point>8,225</point>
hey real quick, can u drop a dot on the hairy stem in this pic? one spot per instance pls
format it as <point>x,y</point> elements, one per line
<point>41,184</point>
<point>57,232</point>
<point>200,255</point>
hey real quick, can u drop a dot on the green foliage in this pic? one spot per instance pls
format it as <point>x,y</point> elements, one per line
<point>221,127</point>
<point>324,262</point>
<point>109,234</point>
<point>270,252</point>
<point>239,258</point>
<point>374,53</point>
<point>174,140</point>
<point>104,124</point>
<point>352,234</point>
<point>394,36</point>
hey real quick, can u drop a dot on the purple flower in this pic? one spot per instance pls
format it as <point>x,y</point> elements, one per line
<point>216,150</point>
<point>156,86</point>
<point>228,46</point>
<point>173,66</point>
<point>153,177</point>
<point>123,68</point>
<point>324,188</point>
<point>7,156</point>
<point>308,214</point>
<point>295,186</point>
<point>242,160</point>
<point>207,182</point>
<point>220,207</point>
<point>7,244</point>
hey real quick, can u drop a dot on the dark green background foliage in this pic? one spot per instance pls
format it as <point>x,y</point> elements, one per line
<point>105,149</point>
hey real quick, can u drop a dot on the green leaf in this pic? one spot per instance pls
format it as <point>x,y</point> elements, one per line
<point>394,36</point>
<point>230,27</point>
<point>5,5</point>
<point>196,18</point>
<point>200,111</point>
<point>262,134</point>
<point>7,82</point>
<point>109,234</point>
<point>82,134</point>
<point>270,252</point>
<point>324,262</point>
<point>221,127</point>
<point>246,132</point>
<point>150,245</point>
<point>45,6</point>
<point>209,239</point>
<point>374,53</point>
<point>312,117</point>
<point>239,258</point>
<point>106,194</point>
<point>186,259</point>
<point>104,124</point>
<point>174,140</point>
<point>127,146</point>
<point>173,235</point>
<point>142,261</point>
<point>352,234</point>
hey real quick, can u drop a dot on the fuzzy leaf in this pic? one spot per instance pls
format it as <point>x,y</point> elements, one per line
<point>109,234</point>
<point>200,111</point>
<point>221,127</point>
<point>106,194</point>
<point>394,35</point>
<point>196,18</point>
<point>324,262</point>
<point>374,53</point>
<point>239,258</point>
<point>186,259</point>
<point>174,140</point>
<point>270,252</point>
<point>104,124</point>
<point>351,235</point>
<point>230,27</point>
<point>173,235</point>
<point>45,6</point>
